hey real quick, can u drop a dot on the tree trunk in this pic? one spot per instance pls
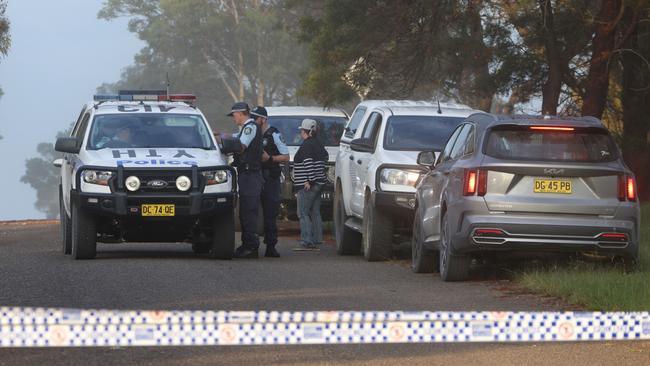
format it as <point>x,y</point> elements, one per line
<point>603,43</point>
<point>553,84</point>
<point>636,103</point>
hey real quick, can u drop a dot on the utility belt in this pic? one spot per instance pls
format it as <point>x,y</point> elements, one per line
<point>246,167</point>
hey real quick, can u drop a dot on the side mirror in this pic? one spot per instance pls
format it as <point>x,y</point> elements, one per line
<point>361,145</point>
<point>58,163</point>
<point>67,145</point>
<point>427,158</point>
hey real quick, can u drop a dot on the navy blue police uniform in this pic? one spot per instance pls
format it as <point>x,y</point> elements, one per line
<point>249,177</point>
<point>274,145</point>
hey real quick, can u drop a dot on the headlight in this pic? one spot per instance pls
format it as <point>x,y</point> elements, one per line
<point>398,179</point>
<point>183,183</point>
<point>132,183</point>
<point>96,177</point>
<point>331,173</point>
<point>215,177</point>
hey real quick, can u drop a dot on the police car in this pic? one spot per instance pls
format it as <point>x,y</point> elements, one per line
<point>144,167</point>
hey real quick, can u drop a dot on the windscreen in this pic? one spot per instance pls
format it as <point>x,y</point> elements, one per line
<point>419,132</point>
<point>330,129</point>
<point>149,131</point>
<point>578,145</point>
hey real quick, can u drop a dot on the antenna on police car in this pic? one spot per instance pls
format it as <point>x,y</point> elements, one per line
<point>439,110</point>
<point>167,77</point>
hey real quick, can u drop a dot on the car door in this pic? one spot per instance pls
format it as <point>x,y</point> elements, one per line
<point>433,185</point>
<point>361,161</point>
<point>70,160</point>
<point>455,176</point>
<point>345,168</point>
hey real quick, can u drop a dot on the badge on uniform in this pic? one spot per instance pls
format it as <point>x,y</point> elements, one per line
<point>265,142</point>
<point>247,131</point>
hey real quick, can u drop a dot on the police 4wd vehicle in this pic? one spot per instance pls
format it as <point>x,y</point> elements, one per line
<point>331,123</point>
<point>376,170</point>
<point>144,167</point>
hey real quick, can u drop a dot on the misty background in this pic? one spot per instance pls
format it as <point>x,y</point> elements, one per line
<point>573,57</point>
<point>60,54</point>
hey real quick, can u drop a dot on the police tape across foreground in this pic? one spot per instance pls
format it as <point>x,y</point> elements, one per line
<point>49,327</point>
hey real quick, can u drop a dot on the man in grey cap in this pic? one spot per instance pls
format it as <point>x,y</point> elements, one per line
<point>275,152</point>
<point>247,148</point>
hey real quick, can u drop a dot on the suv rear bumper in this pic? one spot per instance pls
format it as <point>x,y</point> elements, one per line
<point>121,205</point>
<point>544,233</point>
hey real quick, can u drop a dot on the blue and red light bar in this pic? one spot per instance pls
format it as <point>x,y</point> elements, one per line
<point>145,96</point>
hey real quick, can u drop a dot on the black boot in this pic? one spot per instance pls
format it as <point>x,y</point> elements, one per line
<point>245,252</point>
<point>271,252</point>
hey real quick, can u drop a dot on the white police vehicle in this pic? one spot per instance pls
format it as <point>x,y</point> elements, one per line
<point>376,170</point>
<point>144,167</point>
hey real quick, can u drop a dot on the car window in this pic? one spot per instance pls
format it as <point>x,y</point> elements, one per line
<point>355,120</point>
<point>370,129</point>
<point>526,143</point>
<point>78,122</point>
<point>81,128</point>
<point>470,143</point>
<point>330,129</point>
<point>418,133</point>
<point>450,144</point>
<point>149,130</point>
<point>459,147</point>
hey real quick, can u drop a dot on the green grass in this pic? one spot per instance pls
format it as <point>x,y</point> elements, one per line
<point>598,286</point>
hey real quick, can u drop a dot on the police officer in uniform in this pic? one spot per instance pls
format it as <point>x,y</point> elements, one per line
<point>275,152</point>
<point>247,148</point>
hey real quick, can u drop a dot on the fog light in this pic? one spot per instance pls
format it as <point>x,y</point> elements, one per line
<point>132,183</point>
<point>183,183</point>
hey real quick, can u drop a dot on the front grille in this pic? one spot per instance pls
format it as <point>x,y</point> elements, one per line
<point>158,181</point>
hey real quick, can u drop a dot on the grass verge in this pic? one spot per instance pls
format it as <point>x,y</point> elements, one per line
<point>598,286</point>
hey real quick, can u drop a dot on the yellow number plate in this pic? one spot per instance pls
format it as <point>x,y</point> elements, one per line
<point>552,186</point>
<point>158,210</point>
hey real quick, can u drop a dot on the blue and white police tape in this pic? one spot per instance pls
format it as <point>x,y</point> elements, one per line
<point>43,327</point>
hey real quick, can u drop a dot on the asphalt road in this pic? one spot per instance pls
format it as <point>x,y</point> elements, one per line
<point>33,272</point>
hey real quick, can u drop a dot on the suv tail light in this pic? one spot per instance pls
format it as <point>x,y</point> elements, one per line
<point>626,188</point>
<point>475,182</point>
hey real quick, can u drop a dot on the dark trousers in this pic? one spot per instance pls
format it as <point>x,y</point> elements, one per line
<point>250,188</point>
<point>271,208</point>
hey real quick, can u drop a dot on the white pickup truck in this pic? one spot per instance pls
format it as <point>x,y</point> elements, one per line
<point>377,170</point>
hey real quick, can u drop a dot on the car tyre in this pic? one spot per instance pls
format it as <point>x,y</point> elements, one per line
<point>452,267</point>
<point>66,227</point>
<point>422,260</point>
<point>223,237</point>
<point>84,233</point>
<point>348,241</point>
<point>377,235</point>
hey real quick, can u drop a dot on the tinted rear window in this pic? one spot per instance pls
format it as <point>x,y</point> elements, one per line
<point>419,132</point>
<point>522,143</point>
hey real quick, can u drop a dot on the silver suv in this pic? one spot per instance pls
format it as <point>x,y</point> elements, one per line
<point>524,183</point>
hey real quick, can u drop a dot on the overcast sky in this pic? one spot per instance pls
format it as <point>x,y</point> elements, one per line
<point>60,53</point>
